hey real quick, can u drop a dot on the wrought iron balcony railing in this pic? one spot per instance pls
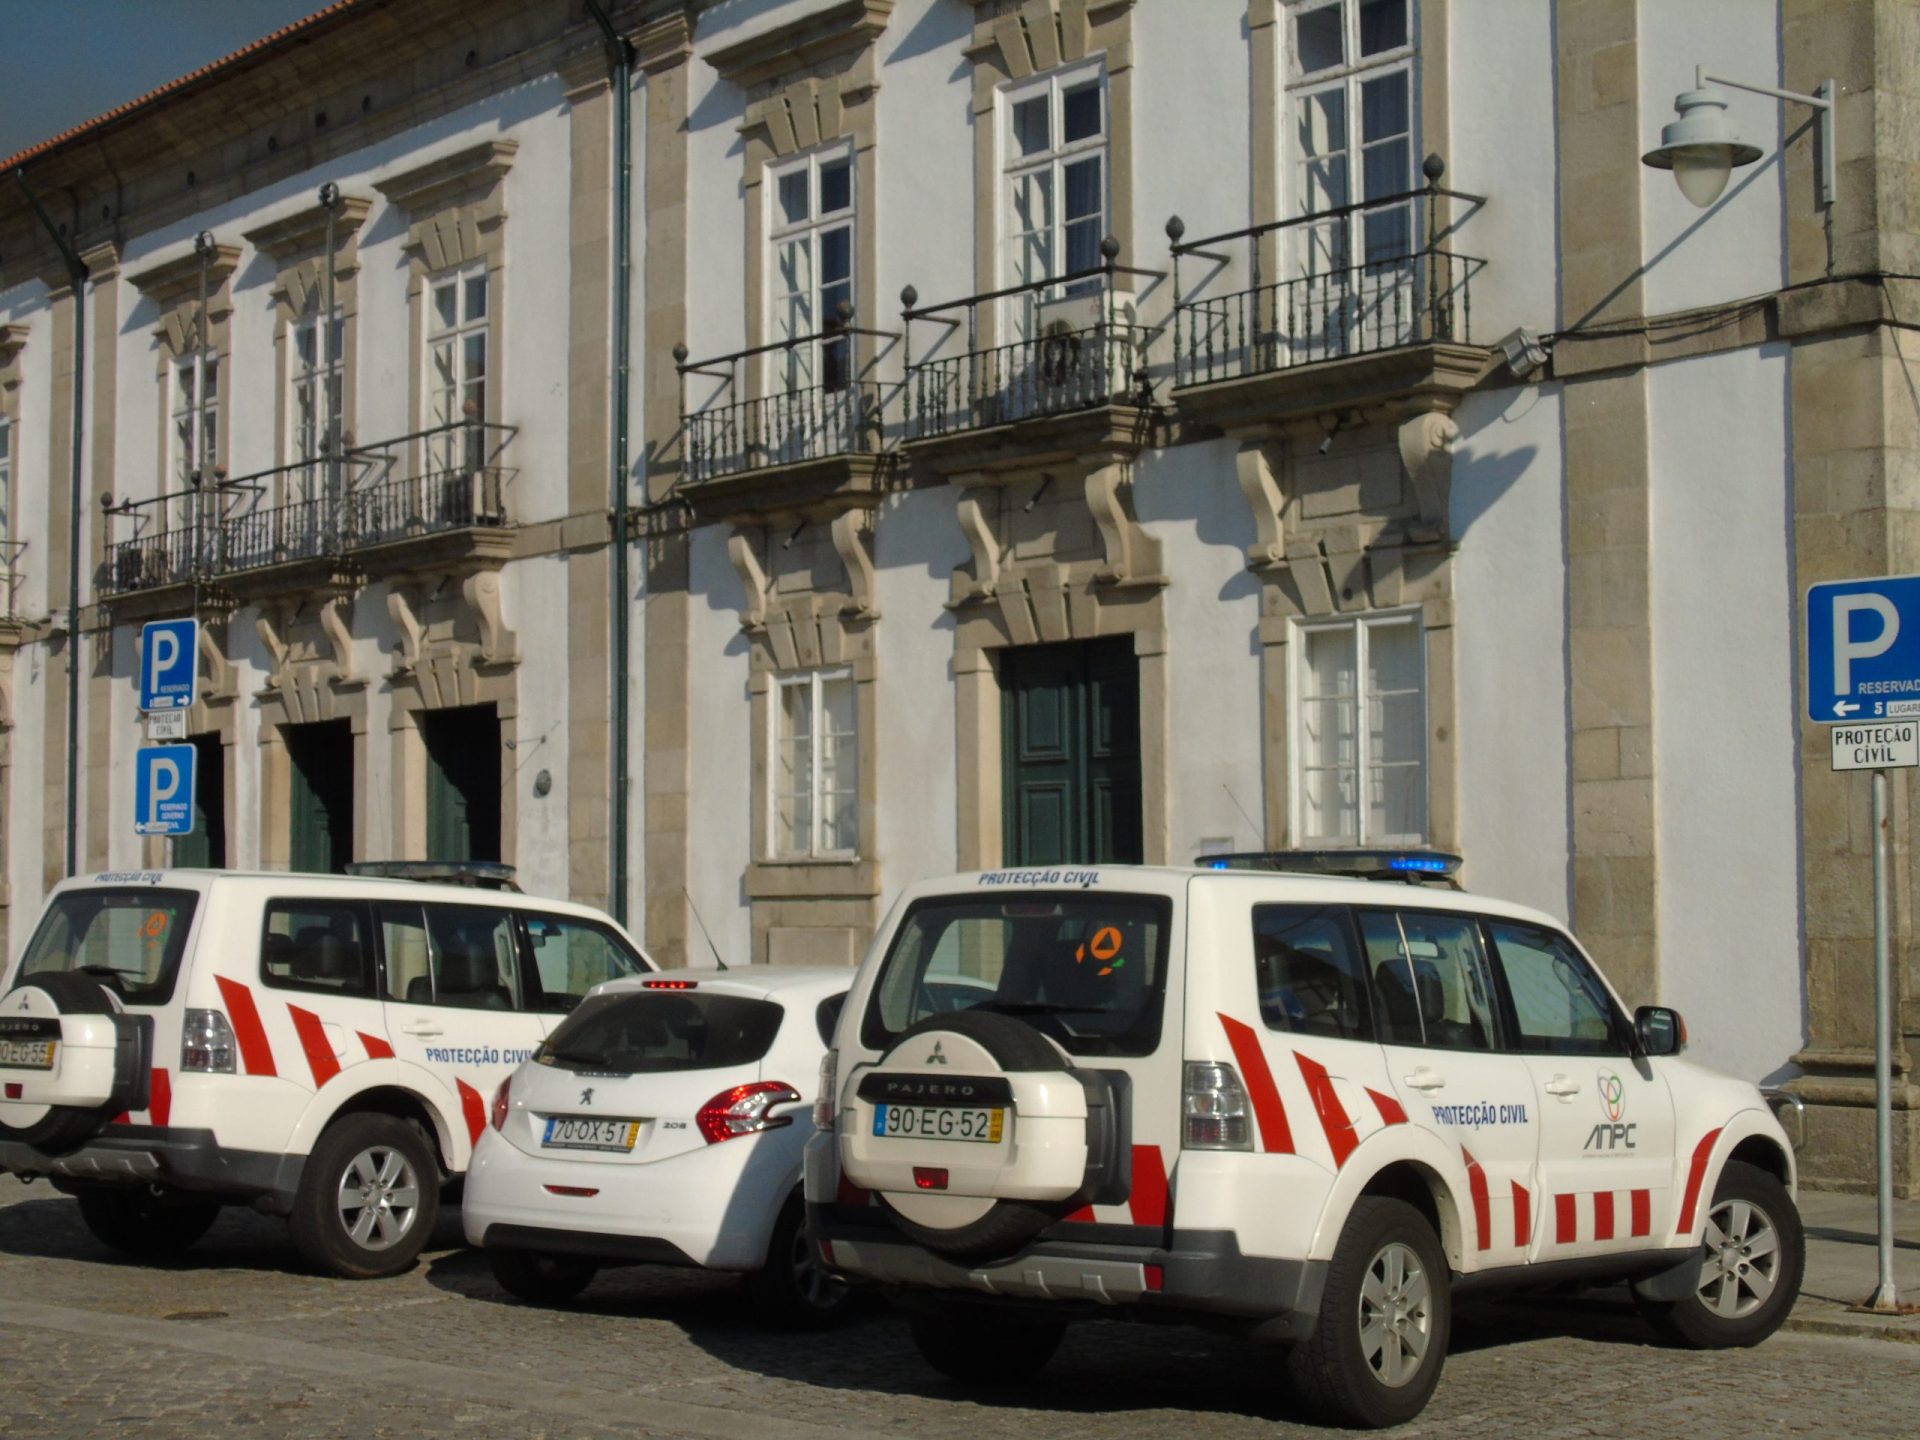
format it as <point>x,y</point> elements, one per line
<point>1074,345</point>
<point>837,414</point>
<point>448,477</point>
<point>1338,283</point>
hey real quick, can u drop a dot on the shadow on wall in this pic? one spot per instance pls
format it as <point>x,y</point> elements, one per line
<point>1482,474</point>
<point>938,26</point>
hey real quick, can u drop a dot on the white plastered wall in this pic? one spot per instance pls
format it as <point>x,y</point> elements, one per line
<point>719,737</point>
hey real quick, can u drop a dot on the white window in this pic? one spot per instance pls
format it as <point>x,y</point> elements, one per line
<point>1350,126</point>
<point>1054,144</point>
<point>816,765</point>
<point>812,254</point>
<point>195,434</point>
<point>1359,732</point>
<point>319,390</point>
<point>457,359</point>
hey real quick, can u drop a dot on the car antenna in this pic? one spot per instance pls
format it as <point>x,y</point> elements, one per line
<point>703,928</point>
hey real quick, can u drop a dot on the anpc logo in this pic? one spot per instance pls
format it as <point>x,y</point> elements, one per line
<point>1612,1135</point>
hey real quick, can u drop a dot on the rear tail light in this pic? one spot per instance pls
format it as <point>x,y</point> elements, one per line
<point>1216,1110</point>
<point>1156,1278</point>
<point>743,1110</point>
<point>502,1103</point>
<point>669,984</point>
<point>823,1104</point>
<point>926,1177</point>
<point>206,1043</point>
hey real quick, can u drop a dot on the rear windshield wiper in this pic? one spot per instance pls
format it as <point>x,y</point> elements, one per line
<point>579,1057</point>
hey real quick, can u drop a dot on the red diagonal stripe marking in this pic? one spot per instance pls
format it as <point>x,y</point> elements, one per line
<point>313,1039</point>
<point>255,1054</point>
<point>1566,1222</point>
<point>1482,1202</point>
<point>1696,1173</point>
<point>1603,1215</point>
<point>1391,1110</point>
<point>377,1049</point>
<point>160,1106</point>
<point>1276,1136</point>
<point>474,1108</point>
<point>1148,1202</point>
<point>1522,1215</point>
<point>1326,1104</point>
<point>1642,1212</point>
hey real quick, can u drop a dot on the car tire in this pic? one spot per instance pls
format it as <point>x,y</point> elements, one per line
<point>1385,1319</point>
<point>538,1278</point>
<point>368,1198</point>
<point>137,1222</point>
<point>1755,1257</point>
<point>985,1347</point>
<point>66,1127</point>
<point>794,1289</point>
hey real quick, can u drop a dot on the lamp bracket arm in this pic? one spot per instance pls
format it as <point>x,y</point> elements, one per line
<point>1821,101</point>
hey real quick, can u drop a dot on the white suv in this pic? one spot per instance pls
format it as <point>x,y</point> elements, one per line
<point>319,1046</point>
<point>1310,1105</point>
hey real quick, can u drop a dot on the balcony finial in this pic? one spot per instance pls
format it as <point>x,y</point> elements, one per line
<point>1433,167</point>
<point>1109,249</point>
<point>106,500</point>
<point>909,297</point>
<point>1176,227</point>
<point>843,313</point>
<point>680,353</point>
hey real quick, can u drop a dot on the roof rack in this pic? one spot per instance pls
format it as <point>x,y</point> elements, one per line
<point>477,874</point>
<point>1414,867</point>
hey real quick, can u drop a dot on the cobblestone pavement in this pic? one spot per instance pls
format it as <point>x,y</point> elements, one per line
<point>235,1341</point>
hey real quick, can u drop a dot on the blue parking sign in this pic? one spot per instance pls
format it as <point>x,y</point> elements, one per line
<point>1863,650</point>
<point>169,664</point>
<point>163,790</point>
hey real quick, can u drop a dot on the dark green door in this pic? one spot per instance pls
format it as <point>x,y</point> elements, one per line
<point>206,847</point>
<point>320,809</point>
<point>1070,738</point>
<point>463,783</point>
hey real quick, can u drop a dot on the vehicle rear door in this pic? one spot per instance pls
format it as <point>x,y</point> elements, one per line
<point>319,999</point>
<point>1606,1118</point>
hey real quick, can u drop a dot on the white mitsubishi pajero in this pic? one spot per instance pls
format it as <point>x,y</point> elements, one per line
<point>319,1046</point>
<point>1312,1105</point>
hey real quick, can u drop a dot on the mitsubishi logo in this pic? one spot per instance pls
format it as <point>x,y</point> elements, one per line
<point>586,1096</point>
<point>936,1058</point>
<point>23,1004</point>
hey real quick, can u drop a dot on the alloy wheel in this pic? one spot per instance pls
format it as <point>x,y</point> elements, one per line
<point>1743,1259</point>
<point>1395,1315</point>
<point>379,1198</point>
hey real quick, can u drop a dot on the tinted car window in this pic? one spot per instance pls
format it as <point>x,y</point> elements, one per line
<point>572,956</point>
<point>1431,983</point>
<point>644,1032</point>
<point>460,955</point>
<point>1559,1005</point>
<point>132,939</point>
<point>317,945</point>
<point>1309,971</point>
<point>1085,967</point>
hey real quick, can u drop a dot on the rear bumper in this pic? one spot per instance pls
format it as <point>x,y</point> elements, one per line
<point>1200,1272</point>
<point>181,1159</point>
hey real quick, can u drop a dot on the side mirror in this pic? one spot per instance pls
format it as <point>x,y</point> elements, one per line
<point>1661,1031</point>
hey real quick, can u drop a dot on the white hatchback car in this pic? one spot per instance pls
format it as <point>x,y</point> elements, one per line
<point>656,1126</point>
<point>1308,1106</point>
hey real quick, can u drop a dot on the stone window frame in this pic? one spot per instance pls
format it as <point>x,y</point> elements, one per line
<point>1357,623</point>
<point>174,287</point>
<point>297,246</point>
<point>457,219</point>
<point>1013,41</point>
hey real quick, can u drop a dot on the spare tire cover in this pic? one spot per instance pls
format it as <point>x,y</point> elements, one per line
<point>998,1195</point>
<point>90,1082</point>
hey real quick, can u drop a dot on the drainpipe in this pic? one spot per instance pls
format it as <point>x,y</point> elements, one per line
<point>77,273</point>
<point>620,64</point>
<point>326,348</point>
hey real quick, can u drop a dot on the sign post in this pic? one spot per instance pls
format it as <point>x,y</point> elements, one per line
<point>1863,678</point>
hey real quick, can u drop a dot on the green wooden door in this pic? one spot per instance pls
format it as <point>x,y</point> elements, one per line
<point>206,847</point>
<point>320,799</point>
<point>1070,738</point>
<point>463,783</point>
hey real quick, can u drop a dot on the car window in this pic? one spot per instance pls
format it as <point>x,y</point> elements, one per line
<point>1087,968</point>
<point>318,945</point>
<point>1309,971</point>
<point>628,1032</point>
<point>1430,979</point>
<point>132,939</point>
<point>461,955</point>
<point>571,956</point>
<point>1559,1005</point>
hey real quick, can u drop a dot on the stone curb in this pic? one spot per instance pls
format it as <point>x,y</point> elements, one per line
<point>1831,1320</point>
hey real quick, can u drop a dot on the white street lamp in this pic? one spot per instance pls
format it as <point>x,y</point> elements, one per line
<point>1701,147</point>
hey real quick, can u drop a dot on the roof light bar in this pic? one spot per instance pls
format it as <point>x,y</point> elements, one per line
<point>480,874</point>
<point>1405,865</point>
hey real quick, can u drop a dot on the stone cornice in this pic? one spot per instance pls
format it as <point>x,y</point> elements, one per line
<point>465,174</point>
<point>174,282</point>
<point>305,231</point>
<point>663,43</point>
<point>846,27</point>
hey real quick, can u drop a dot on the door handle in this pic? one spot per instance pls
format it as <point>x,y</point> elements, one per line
<point>1425,1079</point>
<point>1563,1087</point>
<point>421,1027</point>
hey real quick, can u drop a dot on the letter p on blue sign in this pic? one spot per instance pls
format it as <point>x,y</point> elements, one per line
<point>169,664</point>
